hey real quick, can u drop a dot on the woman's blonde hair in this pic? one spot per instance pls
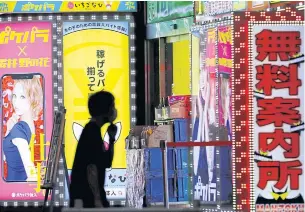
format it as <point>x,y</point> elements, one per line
<point>33,91</point>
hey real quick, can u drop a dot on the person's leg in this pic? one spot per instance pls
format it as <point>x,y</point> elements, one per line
<point>102,189</point>
<point>88,203</point>
<point>105,202</point>
<point>71,203</point>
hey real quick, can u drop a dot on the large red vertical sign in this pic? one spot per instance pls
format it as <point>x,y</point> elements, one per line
<point>267,103</point>
<point>277,64</point>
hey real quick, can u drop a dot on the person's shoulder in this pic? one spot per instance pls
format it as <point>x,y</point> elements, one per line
<point>89,130</point>
<point>22,130</point>
<point>91,126</point>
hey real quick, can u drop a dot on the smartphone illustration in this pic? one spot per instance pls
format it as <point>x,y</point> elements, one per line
<point>23,141</point>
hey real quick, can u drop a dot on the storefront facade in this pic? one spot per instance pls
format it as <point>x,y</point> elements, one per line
<point>226,48</point>
<point>60,44</point>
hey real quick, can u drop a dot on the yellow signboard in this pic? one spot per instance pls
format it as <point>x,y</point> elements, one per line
<point>66,6</point>
<point>95,58</point>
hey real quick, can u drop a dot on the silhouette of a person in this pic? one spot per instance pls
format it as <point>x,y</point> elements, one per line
<point>91,157</point>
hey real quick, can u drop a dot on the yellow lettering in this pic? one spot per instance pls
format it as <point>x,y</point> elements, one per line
<point>32,147</point>
<point>3,63</point>
<point>45,61</point>
<point>39,33</point>
<point>8,63</point>
<point>42,147</point>
<point>225,37</point>
<point>27,7</point>
<point>11,63</point>
<point>25,62</point>
<point>211,62</point>
<point>16,36</point>
<point>22,37</point>
<point>200,8</point>
<point>51,6</point>
<point>129,5</point>
<point>38,7</point>
<point>5,35</point>
<point>37,189</point>
<point>211,36</point>
<point>225,62</point>
<point>3,7</point>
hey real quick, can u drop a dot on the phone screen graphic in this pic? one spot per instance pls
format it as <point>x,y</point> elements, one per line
<point>23,141</point>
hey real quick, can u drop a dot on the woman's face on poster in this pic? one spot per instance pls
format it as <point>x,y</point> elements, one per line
<point>20,100</point>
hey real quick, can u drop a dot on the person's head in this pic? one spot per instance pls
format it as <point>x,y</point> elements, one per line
<point>27,97</point>
<point>102,107</point>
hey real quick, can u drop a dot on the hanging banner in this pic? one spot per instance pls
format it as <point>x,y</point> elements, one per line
<point>66,6</point>
<point>203,131</point>
<point>210,68</point>
<point>91,65</point>
<point>278,106</point>
<point>159,11</point>
<point>26,119</point>
<point>268,109</point>
<point>224,47</point>
<point>224,81</point>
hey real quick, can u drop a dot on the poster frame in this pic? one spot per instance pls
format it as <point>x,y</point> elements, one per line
<point>113,17</point>
<point>202,28</point>
<point>242,128</point>
<point>15,18</point>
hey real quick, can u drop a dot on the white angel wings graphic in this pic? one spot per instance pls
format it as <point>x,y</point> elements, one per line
<point>78,129</point>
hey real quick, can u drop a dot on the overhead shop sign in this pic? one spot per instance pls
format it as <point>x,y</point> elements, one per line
<point>159,11</point>
<point>66,6</point>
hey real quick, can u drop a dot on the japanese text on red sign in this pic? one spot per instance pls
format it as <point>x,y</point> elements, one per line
<point>282,45</point>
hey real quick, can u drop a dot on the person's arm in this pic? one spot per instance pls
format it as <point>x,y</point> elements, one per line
<point>112,130</point>
<point>25,154</point>
<point>110,153</point>
<point>92,176</point>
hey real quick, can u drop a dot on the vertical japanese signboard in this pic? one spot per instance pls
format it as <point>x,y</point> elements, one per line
<point>278,110</point>
<point>96,57</point>
<point>26,119</point>
<point>268,142</point>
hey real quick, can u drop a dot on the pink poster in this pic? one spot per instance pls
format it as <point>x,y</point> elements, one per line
<point>211,51</point>
<point>27,108</point>
<point>224,80</point>
<point>211,69</point>
<point>224,49</point>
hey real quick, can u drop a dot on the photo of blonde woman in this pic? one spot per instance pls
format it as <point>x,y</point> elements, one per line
<point>202,110</point>
<point>22,109</point>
